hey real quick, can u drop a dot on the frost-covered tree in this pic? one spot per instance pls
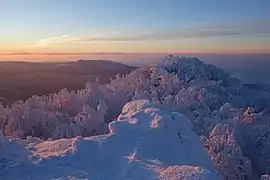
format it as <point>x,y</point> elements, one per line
<point>227,155</point>
<point>208,95</point>
<point>254,138</point>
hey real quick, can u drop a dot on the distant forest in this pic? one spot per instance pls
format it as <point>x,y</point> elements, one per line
<point>21,80</point>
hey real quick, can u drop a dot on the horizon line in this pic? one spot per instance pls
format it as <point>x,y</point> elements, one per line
<point>129,53</point>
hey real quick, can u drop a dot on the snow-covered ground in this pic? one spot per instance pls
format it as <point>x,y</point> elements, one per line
<point>144,143</point>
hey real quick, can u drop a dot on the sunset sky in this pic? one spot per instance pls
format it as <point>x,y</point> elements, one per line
<point>66,29</point>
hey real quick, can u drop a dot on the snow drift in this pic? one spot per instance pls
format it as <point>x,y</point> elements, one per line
<point>144,143</point>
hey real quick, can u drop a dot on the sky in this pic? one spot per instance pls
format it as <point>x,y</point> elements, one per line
<point>68,29</point>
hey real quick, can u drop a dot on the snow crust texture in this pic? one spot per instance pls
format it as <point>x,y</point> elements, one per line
<point>144,143</point>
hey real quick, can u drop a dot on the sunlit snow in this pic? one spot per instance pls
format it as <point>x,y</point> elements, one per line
<point>144,143</point>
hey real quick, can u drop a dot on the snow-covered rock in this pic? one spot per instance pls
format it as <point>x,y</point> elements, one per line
<point>144,143</point>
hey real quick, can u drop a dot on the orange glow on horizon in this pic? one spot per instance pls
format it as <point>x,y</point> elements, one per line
<point>66,56</point>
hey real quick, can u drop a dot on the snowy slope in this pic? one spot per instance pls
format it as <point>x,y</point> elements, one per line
<point>144,143</point>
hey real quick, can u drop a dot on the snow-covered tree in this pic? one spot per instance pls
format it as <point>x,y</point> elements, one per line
<point>227,155</point>
<point>209,96</point>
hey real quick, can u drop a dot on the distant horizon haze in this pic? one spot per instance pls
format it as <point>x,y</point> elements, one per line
<point>251,68</point>
<point>133,58</point>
